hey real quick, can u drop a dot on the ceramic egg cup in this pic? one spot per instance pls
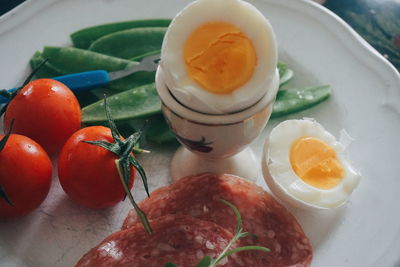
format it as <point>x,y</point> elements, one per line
<point>215,143</point>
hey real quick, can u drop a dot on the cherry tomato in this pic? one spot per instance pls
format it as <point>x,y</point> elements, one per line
<point>88,173</point>
<point>25,175</point>
<point>46,111</point>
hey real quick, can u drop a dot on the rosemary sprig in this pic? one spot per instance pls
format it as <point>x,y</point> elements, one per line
<point>123,149</point>
<point>3,142</point>
<point>207,261</point>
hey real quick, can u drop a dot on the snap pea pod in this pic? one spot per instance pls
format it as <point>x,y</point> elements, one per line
<point>130,43</point>
<point>72,60</point>
<point>155,129</point>
<point>159,132</point>
<point>66,60</point>
<point>46,71</point>
<point>132,81</point>
<point>294,100</point>
<point>85,37</point>
<point>285,74</point>
<point>139,102</point>
<point>150,53</point>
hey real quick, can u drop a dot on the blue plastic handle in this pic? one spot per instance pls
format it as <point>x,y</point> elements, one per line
<point>84,80</point>
<point>78,82</point>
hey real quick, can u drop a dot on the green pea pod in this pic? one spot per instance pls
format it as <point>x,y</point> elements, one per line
<point>133,80</point>
<point>46,71</point>
<point>139,102</point>
<point>130,43</point>
<point>159,132</point>
<point>294,100</point>
<point>150,53</point>
<point>66,60</point>
<point>72,60</point>
<point>85,37</point>
<point>285,74</point>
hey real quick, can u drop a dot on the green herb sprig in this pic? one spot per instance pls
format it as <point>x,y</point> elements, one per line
<point>207,261</point>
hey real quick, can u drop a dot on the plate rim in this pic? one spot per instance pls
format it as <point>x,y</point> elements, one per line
<point>383,67</point>
<point>30,7</point>
<point>327,17</point>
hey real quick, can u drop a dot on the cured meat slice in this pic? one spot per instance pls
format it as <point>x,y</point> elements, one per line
<point>270,224</point>
<point>180,239</point>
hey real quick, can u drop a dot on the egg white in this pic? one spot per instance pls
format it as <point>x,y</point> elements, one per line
<point>251,22</point>
<point>284,182</point>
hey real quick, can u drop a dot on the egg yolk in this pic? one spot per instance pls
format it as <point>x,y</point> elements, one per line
<point>219,57</point>
<point>316,163</point>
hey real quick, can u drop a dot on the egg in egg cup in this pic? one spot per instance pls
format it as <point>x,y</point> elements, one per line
<point>217,81</point>
<point>215,143</point>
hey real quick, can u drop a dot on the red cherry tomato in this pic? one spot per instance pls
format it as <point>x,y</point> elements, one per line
<point>88,173</point>
<point>25,175</point>
<point>46,111</point>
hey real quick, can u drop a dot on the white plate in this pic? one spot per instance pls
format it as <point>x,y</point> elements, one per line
<point>321,49</point>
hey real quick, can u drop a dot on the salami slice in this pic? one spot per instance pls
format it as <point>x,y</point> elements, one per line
<point>270,224</point>
<point>182,240</point>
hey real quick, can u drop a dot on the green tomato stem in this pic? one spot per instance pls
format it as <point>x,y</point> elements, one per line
<point>141,214</point>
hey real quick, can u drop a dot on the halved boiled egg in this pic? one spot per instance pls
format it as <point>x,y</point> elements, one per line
<point>219,56</point>
<point>304,165</point>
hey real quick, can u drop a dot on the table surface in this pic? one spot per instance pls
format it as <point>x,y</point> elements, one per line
<point>377,21</point>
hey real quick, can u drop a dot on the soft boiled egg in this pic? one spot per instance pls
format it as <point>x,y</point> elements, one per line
<point>219,56</point>
<point>305,166</point>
